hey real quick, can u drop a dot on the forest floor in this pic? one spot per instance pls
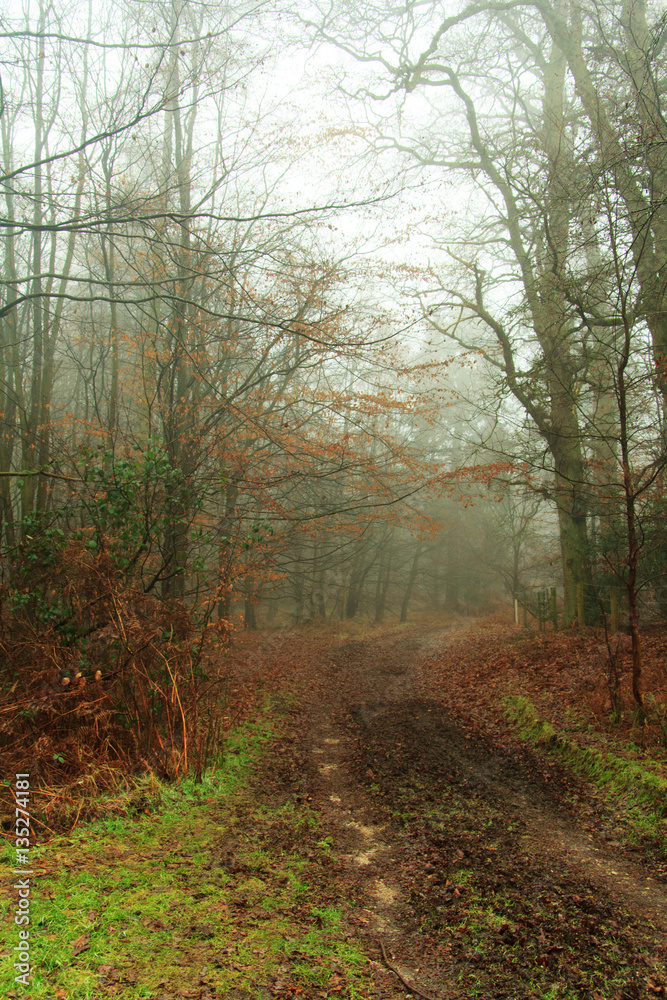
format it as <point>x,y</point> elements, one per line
<point>483,868</point>
<point>397,838</point>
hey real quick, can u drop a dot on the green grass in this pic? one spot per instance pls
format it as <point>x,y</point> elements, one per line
<point>637,794</point>
<point>146,903</point>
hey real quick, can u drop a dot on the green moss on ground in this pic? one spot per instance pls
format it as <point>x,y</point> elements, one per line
<point>637,794</point>
<point>212,894</point>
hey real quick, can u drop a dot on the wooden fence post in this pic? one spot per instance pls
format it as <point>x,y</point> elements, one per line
<point>554,609</point>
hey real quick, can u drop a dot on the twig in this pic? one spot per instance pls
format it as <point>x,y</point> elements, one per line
<point>41,472</point>
<point>390,965</point>
<point>33,819</point>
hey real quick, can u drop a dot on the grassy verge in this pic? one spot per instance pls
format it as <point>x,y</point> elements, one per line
<point>213,894</point>
<point>637,794</point>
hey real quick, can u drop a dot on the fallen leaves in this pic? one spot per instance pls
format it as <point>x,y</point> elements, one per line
<point>80,945</point>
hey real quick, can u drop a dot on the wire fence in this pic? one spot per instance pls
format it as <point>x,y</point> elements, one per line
<point>596,604</point>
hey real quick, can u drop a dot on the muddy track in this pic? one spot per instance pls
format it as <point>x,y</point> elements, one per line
<point>473,877</point>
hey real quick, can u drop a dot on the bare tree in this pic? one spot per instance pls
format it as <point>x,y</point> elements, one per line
<point>534,101</point>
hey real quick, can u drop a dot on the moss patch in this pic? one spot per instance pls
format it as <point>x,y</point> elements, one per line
<point>638,795</point>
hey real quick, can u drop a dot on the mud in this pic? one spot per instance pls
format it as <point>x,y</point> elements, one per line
<point>473,876</point>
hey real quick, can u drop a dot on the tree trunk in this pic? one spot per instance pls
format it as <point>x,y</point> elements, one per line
<point>407,594</point>
<point>572,507</point>
<point>250,615</point>
<point>382,585</point>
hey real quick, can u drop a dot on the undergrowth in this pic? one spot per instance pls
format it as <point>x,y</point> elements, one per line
<point>99,677</point>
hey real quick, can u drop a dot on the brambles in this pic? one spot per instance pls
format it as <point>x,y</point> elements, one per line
<point>98,676</point>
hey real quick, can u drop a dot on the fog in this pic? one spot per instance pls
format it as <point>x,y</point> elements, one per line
<point>329,313</point>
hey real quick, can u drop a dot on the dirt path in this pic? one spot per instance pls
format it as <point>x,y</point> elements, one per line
<point>473,878</point>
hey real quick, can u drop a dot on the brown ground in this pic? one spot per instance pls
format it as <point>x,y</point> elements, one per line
<point>479,870</point>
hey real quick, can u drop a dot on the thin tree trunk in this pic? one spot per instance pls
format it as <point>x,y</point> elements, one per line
<point>407,594</point>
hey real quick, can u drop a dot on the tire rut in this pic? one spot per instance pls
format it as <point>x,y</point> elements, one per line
<point>372,734</point>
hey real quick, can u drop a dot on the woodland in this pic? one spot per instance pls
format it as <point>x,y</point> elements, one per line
<point>316,313</point>
<point>333,526</point>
